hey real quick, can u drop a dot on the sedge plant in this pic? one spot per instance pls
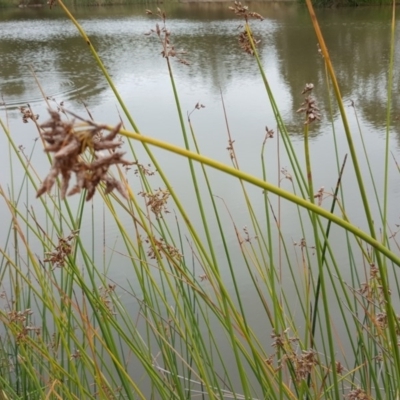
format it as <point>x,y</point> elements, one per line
<point>179,326</point>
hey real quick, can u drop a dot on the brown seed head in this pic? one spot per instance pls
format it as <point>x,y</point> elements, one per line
<point>69,141</point>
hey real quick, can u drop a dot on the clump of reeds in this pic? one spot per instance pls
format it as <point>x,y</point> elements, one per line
<point>69,330</point>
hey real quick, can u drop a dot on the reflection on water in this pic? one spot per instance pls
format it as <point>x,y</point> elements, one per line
<point>45,42</point>
<point>44,39</point>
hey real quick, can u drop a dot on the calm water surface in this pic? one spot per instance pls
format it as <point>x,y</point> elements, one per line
<point>47,43</point>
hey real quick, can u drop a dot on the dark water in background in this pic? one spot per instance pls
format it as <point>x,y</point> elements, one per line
<point>358,40</point>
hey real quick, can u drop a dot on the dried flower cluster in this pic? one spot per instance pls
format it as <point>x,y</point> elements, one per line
<point>142,169</point>
<point>75,355</point>
<point>247,41</point>
<point>160,247</point>
<point>372,290</point>
<point>243,11</point>
<point>63,250</point>
<point>19,316</point>
<point>302,244</point>
<point>309,105</point>
<point>396,225</point>
<point>203,277</point>
<point>68,141</point>
<point>59,106</point>
<point>20,319</point>
<point>25,331</point>
<point>358,394</point>
<point>168,50</point>
<point>199,106</point>
<point>231,149</point>
<point>302,363</point>
<point>157,201</point>
<point>269,133</point>
<point>373,297</point>
<point>105,294</point>
<point>320,195</point>
<point>27,114</point>
<point>373,271</point>
<point>247,238</point>
<point>339,368</point>
<point>283,339</point>
<point>381,320</point>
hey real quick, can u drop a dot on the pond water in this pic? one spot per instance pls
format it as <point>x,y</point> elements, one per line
<point>45,42</point>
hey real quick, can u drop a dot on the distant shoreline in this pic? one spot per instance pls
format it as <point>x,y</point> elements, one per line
<point>12,4</point>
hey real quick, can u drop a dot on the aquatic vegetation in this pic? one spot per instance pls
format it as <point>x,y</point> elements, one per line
<point>68,143</point>
<point>175,324</point>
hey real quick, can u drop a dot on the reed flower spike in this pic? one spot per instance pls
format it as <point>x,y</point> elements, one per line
<point>164,36</point>
<point>246,36</point>
<point>69,141</point>
<point>309,106</point>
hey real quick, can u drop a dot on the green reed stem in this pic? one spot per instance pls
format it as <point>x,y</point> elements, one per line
<point>320,260</point>
<point>388,121</point>
<point>264,185</point>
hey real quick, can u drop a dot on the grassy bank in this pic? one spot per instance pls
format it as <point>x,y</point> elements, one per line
<point>177,326</point>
